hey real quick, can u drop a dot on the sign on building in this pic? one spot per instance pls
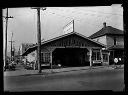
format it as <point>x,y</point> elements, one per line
<point>69,27</point>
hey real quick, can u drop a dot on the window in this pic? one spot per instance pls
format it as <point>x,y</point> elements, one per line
<point>45,57</point>
<point>114,40</point>
<point>93,55</point>
<point>105,57</point>
<point>96,55</point>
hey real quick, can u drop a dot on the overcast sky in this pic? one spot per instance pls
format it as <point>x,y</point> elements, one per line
<point>88,20</point>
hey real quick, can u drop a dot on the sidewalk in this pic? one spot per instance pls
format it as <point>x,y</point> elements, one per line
<point>49,71</point>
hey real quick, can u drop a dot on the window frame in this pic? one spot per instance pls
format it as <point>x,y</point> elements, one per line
<point>46,57</point>
<point>107,57</point>
<point>95,57</point>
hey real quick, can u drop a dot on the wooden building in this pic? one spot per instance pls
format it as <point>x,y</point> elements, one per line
<point>71,49</point>
<point>113,39</point>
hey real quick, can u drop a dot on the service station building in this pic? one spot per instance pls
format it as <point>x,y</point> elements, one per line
<point>71,49</point>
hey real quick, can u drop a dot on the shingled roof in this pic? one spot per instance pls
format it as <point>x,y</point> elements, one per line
<point>107,30</point>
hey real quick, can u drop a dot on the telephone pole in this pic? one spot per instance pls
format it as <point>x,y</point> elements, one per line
<point>12,47</point>
<point>7,17</point>
<point>39,37</point>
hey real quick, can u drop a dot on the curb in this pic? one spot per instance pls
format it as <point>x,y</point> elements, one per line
<point>53,71</point>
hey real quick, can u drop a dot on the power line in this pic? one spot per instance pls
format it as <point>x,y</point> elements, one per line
<point>81,19</point>
<point>100,12</point>
<point>90,11</point>
<point>66,17</point>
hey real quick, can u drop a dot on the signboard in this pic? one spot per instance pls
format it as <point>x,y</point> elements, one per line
<point>69,27</point>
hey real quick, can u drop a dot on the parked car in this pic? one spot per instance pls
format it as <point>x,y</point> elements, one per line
<point>12,66</point>
<point>29,66</point>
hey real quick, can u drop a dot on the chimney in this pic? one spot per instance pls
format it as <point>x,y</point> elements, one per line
<point>104,25</point>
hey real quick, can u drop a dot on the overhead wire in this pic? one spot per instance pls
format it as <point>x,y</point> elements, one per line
<point>79,19</point>
<point>91,14</point>
<point>100,12</point>
<point>76,13</point>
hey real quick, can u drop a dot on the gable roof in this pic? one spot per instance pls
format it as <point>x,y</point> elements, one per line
<point>56,38</point>
<point>29,50</point>
<point>108,30</point>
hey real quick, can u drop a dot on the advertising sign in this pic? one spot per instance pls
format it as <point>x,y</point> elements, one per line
<point>69,27</point>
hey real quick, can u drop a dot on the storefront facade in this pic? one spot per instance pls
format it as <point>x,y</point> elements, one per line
<point>72,49</point>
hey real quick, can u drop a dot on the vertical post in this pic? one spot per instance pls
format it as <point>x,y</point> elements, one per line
<point>73,27</point>
<point>90,57</point>
<point>108,57</point>
<point>51,59</point>
<point>101,55</point>
<point>39,40</point>
<point>11,46</point>
<point>6,38</point>
<point>5,64</point>
<point>113,57</point>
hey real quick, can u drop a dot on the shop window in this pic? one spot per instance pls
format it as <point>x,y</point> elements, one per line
<point>96,55</point>
<point>93,55</point>
<point>105,57</point>
<point>45,57</point>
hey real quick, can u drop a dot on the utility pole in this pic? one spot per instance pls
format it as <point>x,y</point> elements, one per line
<point>6,35</point>
<point>39,37</point>
<point>12,47</point>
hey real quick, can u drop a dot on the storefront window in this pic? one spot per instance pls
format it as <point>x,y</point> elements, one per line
<point>105,57</point>
<point>93,55</point>
<point>96,55</point>
<point>45,57</point>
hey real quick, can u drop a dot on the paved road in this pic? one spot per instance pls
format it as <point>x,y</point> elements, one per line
<point>82,80</point>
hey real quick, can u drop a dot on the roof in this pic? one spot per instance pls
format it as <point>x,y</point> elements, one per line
<point>108,30</point>
<point>116,47</point>
<point>29,50</point>
<point>56,38</point>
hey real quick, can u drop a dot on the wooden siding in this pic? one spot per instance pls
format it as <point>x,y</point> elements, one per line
<point>119,40</point>
<point>102,40</point>
<point>72,41</point>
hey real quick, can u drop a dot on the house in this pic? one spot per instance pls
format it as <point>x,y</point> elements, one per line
<point>113,39</point>
<point>71,49</point>
<point>23,47</point>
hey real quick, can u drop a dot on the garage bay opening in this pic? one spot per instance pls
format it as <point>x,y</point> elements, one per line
<point>70,57</point>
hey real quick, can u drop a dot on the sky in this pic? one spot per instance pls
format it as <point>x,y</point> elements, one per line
<point>87,20</point>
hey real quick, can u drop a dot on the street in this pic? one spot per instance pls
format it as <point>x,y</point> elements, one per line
<point>81,80</point>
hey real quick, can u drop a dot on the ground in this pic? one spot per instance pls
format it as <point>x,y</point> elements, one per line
<point>80,80</point>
